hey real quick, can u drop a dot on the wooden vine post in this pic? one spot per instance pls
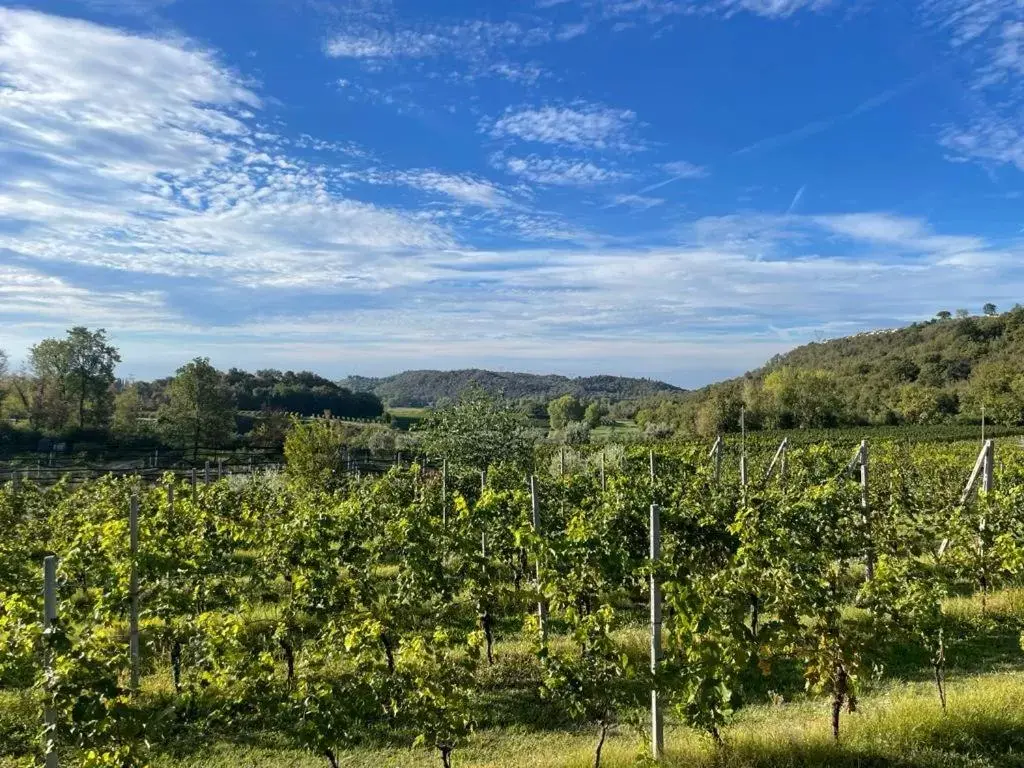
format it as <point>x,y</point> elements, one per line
<point>444,493</point>
<point>657,715</point>
<point>542,609</point>
<point>988,467</point>
<point>133,593</point>
<point>49,621</point>
<point>865,507</point>
<point>987,484</point>
<point>983,468</point>
<point>602,471</point>
<point>779,460</point>
<point>743,454</point>
<point>716,456</point>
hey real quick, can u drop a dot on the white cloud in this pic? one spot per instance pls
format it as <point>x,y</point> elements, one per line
<point>581,124</point>
<point>639,202</point>
<point>528,74</point>
<point>558,171</point>
<point>988,37</point>
<point>570,31</point>
<point>773,9</point>
<point>681,169</point>
<point>654,11</point>
<point>128,7</point>
<point>137,154</point>
<point>464,189</point>
<point>467,40</point>
<point>989,138</point>
<point>31,298</point>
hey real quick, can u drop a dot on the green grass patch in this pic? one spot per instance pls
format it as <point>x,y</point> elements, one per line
<point>899,725</point>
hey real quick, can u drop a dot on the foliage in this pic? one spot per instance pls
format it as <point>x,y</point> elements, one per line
<point>432,388</point>
<point>199,411</point>
<point>304,393</point>
<point>564,410</point>
<point>128,413</point>
<point>72,380</point>
<point>314,451</point>
<point>325,615</point>
<point>477,431</point>
<point>934,371</point>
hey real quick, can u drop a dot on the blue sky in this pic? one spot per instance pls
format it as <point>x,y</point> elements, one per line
<point>666,188</point>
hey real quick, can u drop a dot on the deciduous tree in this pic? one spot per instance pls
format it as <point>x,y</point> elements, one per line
<point>200,410</point>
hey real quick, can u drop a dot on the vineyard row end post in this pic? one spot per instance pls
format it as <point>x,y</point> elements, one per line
<point>869,561</point>
<point>542,611</point>
<point>49,620</point>
<point>133,592</point>
<point>657,715</point>
<point>444,493</point>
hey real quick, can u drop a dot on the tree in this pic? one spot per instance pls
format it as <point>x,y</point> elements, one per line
<point>563,410</point>
<point>945,314</point>
<point>990,309</point>
<point>128,410</point>
<point>476,431</point>
<point>200,409</point>
<point>74,377</point>
<point>3,375</point>
<point>313,451</point>
<point>576,433</point>
<point>803,398</point>
<point>961,314</point>
<point>999,389</point>
<point>919,404</point>
<point>593,415</point>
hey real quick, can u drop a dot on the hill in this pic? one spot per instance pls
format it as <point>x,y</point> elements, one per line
<point>942,370</point>
<point>423,388</point>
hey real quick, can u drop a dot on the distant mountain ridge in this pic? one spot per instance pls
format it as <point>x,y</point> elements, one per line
<point>424,388</point>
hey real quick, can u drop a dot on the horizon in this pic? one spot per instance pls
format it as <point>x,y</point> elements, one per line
<point>672,189</point>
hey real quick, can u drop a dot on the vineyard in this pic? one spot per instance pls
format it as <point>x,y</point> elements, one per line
<point>609,593</point>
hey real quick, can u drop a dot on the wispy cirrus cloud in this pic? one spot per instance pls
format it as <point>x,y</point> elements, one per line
<point>558,171</point>
<point>463,188</point>
<point>139,154</point>
<point>772,9</point>
<point>580,124</point>
<point>28,295</point>
<point>473,39</point>
<point>639,202</point>
<point>988,38</point>
<point>624,14</point>
<point>677,171</point>
<point>127,7</point>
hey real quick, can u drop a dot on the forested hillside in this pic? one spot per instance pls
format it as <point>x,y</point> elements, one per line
<point>421,388</point>
<point>946,369</point>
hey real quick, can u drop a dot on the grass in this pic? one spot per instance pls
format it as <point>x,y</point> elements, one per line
<point>899,723</point>
<point>611,432</point>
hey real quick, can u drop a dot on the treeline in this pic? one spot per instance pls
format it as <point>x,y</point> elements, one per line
<point>427,388</point>
<point>303,393</point>
<point>67,388</point>
<point>949,369</point>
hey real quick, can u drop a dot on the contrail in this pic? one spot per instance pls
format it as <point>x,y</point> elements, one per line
<point>818,126</point>
<point>796,199</point>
